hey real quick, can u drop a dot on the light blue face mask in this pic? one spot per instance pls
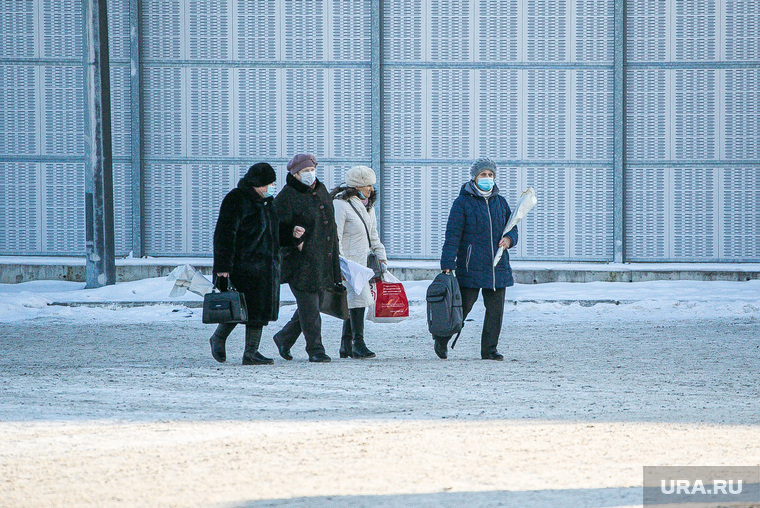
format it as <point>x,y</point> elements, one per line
<point>362,196</point>
<point>270,192</point>
<point>485,184</point>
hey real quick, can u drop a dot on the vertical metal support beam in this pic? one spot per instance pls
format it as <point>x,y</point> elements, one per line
<point>376,102</point>
<point>618,181</point>
<point>100,268</point>
<point>138,222</point>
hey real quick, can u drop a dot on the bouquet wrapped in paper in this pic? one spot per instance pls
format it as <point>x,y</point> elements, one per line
<point>524,204</point>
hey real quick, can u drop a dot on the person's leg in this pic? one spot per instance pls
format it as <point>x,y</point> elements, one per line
<point>251,356</point>
<point>311,323</point>
<point>288,335</point>
<point>469,297</point>
<point>345,339</point>
<point>360,349</point>
<point>489,339</point>
<point>218,341</point>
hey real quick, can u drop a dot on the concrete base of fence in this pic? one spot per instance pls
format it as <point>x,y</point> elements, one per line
<point>24,269</point>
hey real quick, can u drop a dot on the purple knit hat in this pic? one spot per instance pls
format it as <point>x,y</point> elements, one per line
<point>301,161</point>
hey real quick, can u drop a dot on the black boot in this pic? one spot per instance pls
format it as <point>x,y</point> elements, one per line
<point>218,341</point>
<point>282,348</point>
<point>359,349</point>
<point>251,356</point>
<point>441,347</point>
<point>345,340</point>
<point>319,358</point>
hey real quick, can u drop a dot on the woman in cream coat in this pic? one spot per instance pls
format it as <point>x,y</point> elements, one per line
<point>353,209</point>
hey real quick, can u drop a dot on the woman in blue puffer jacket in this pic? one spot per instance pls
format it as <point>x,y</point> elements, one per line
<point>474,232</point>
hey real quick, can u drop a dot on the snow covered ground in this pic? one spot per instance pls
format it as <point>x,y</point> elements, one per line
<point>122,405</point>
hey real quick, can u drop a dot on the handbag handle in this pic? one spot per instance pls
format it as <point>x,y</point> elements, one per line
<point>230,286</point>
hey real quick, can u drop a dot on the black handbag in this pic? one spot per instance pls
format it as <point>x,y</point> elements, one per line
<point>225,306</point>
<point>335,302</point>
<point>372,262</point>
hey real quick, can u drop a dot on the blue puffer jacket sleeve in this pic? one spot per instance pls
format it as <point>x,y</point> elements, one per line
<point>454,228</point>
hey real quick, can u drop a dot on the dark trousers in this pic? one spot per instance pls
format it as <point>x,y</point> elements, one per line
<point>494,303</point>
<point>306,319</point>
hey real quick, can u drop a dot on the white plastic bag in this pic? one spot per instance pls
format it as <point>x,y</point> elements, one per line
<point>356,275</point>
<point>187,279</point>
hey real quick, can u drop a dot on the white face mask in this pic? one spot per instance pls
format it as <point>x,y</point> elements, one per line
<point>308,177</point>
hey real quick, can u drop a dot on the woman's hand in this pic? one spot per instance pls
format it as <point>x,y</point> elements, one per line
<point>506,242</point>
<point>298,232</point>
<point>223,274</point>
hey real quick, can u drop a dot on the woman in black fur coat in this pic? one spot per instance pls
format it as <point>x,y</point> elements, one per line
<point>247,251</point>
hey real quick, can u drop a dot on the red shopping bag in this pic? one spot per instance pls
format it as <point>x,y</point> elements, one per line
<point>391,304</point>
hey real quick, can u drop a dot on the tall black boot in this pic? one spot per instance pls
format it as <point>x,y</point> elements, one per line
<point>251,356</point>
<point>360,349</point>
<point>345,340</point>
<point>218,341</point>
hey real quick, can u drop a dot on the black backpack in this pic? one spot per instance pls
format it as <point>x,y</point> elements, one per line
<point>444,307</point>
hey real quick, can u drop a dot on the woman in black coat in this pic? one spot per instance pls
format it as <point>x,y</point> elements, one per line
<point>310,264</point>
<point>247,251</point>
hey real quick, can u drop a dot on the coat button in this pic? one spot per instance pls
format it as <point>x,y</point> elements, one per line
<point>321,207</point>
<point>328,238</point>
<point>327,222</point>
<point>329,254</point>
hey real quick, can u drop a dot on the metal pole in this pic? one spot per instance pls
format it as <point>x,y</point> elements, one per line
<point>136,187</point>
<point>618,171</point>
<point>376,103</point>
<point>100,268</point>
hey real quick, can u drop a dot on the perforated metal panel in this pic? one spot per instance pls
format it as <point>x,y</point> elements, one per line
<point>19,210</point>
<point>498,119</point>
<point>591,211</point>
<point>546,228</point>
<point>18,110</point>
<point>164,200</point>
<point>351,30</point>
<point>594,37</point>
<point>63,113</point>
<point>593,114</point>
<point>696,114</point>
<point>352,114</point>
<point>546,121</point>
<point>121,111</point>
<point>163,111</point>
<point>403,120</point>
<point>646,213</point>
<point>210,112</point>
<point>450,113</point>
<point>695,213</point>
<point>742,114</point>
<point>61,28</point>
<point>122,208</point>
<point>118,29</point>
<point>450,30</point>
<point>645,114</point>
<point>208,29</point>
<point>256,30</point>
<point>207,185</point>
<point>402,30</point>
<point>17,30</point>
<point>742,30</point>
<point>303,30</point>
<point>645,31</point>
<point>497,31</point>
<point>696,30</point>
<point>740,239</point>
<point>404,216</point>
<point>546,31</point>
<point>63,208</point>
<point>161,29</point>
<point>445,184</point>
<point>305,111</point>
<point>257,126</point>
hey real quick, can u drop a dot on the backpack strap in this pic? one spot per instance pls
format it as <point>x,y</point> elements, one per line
<point>457,337</point>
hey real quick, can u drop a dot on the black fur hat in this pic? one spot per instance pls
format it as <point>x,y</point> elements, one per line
<point>261,174</point>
